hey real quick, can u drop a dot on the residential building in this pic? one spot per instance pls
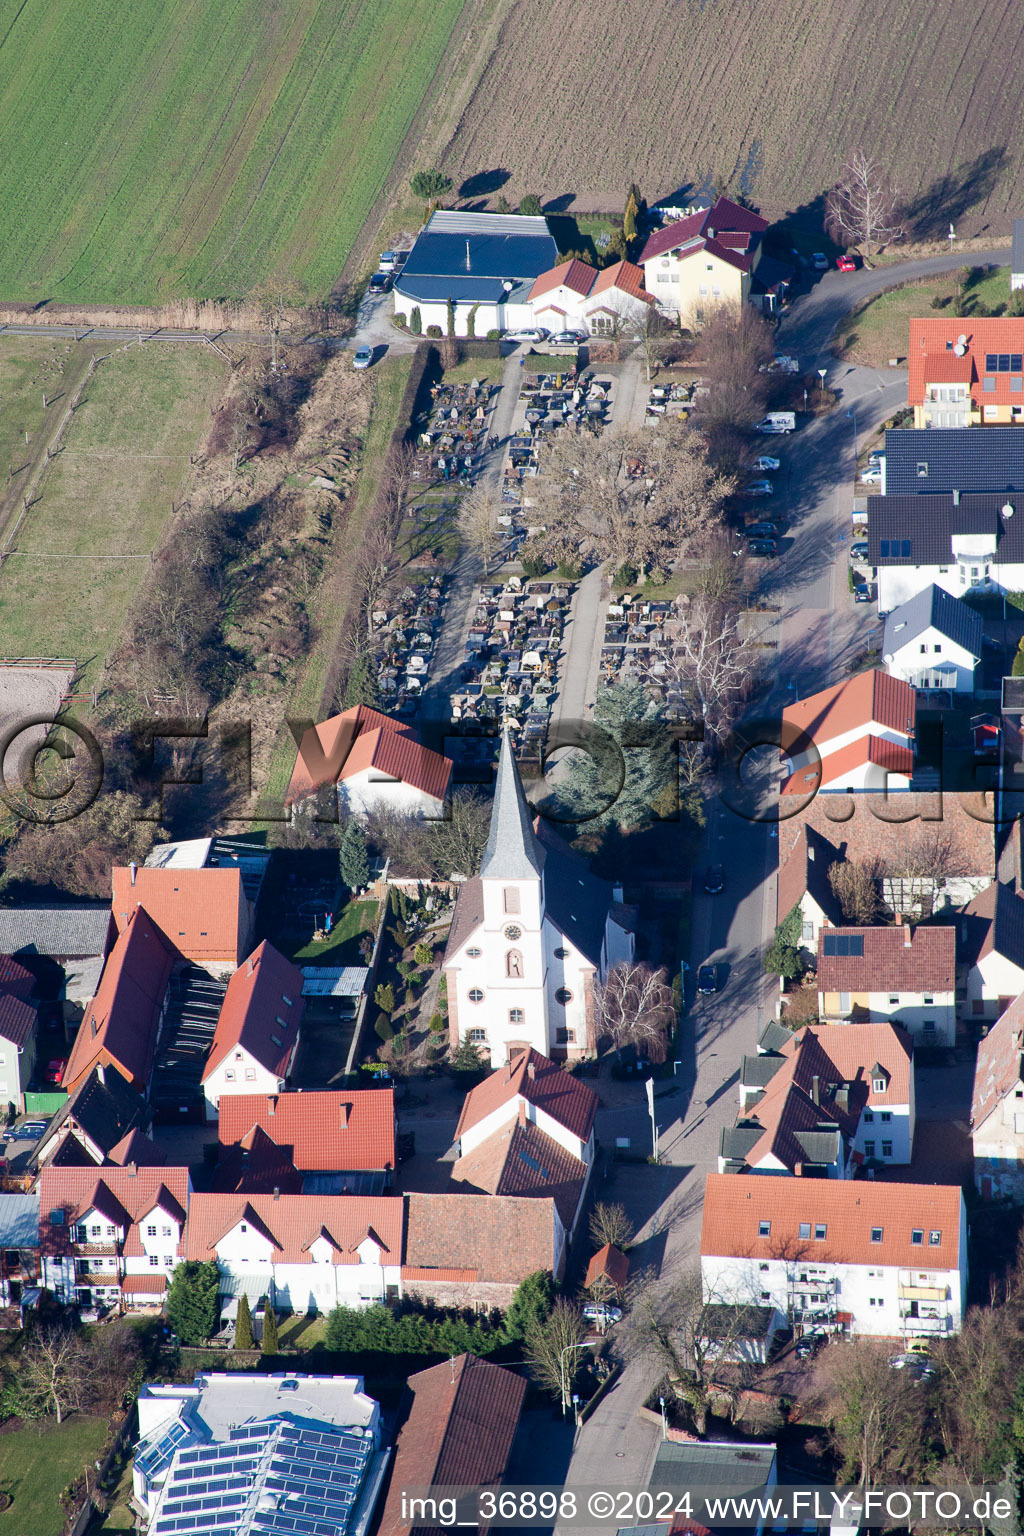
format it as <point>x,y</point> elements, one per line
<point>466,1251</point>
<point>706,259</point>
<point>904,974</point>
<point>483,263</point>
<point>305,1253</point>
<point>374,763</point>
<point>685,1468</point>
<point>251,859</point>
<point>804,883</point>
<point>255,1165</point>
<point>607,302</point>
<point>280,1453</point>
<point>19,1246</point>
<point>257,1032</point>
<point>607,1272</point>
<point>967,371</point>
<point>17,1031</point>
<point>532,933</point>
<point>101,1118</point>
<point>824,1103</point>
<point>204,913</point>
<point>997,1108</point>
<point>855,737</point>
<point>933,642</point>
<point>961,543</point>
<point>112,1236</point>
<point>456,1425</point>
<point>340,1142</point>
<point>1017,256</point>
<point>936,461</point>
<point>122,1022</point>
<point>839,1255</point>
<point>70,939</point>
<point>991,934</point>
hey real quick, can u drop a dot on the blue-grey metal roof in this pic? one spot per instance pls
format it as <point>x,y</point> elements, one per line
<point>19,1221</point>
<point>919,530</point>
<point>512,851</point>
<point>937,460</point>
<point>472,256</point>
<point>712,1464</point>
<point>1017,253</point>
<point>933,608</point>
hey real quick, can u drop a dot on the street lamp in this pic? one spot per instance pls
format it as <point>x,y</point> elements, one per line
<point>853,412</point>
<point>664,1421</point>
<point>583,1344</point>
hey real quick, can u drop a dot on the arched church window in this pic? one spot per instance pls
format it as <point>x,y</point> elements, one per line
<point>514,964</point>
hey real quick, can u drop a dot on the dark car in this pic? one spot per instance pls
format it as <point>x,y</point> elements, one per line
<point>863,592</point>
<point>707,980</point>
<point>764,549</point>
<point>380,282</point>
<point>762,531</point>
<point>714,880</point>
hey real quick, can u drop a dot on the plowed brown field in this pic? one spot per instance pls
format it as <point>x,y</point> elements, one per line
<point>577,101</point>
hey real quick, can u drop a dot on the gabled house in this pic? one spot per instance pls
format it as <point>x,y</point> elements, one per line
<point>257,1032</point>
<point>839,1256</point>
<point>204,914</point>
<point>856,737</point>
<point>804,883</point>
<point>827,1101</point>
<point>997,1108</point>
<point>102,1120</point>
<point>606,302</point>
<point>464,1250</point>
<point>967,371</point>
<point>936,461</point>
<point>112,1236</point>
<point>703,260</point>
<point>374,763</point>
<point>484,263</point>
<point>904,974</point>
<point>991,934</point>
<point>960,542</point>
<point>255,1165</point>
<point>18,1022</point>
<point>67,945</point>
<point>340,1142</point>
<point>305,1253</point>
<point>933,642</point>
<point>122,1023</point>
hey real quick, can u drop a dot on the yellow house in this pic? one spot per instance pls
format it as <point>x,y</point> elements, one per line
<point>706,259</point>
<point>967,372</point>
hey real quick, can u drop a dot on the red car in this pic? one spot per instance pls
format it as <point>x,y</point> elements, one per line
<point>846,264</point>
<point>55,1069</point>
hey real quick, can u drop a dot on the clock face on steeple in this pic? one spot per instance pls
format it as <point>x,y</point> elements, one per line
<point>512,933</point>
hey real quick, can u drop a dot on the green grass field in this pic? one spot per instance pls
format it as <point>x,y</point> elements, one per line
<point>37,1462</point>
<point>881,329</point>
<point>108,492</point>
<point>165,149</point>
<point>342,948</point>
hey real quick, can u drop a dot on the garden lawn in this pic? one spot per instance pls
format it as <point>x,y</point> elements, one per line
<point>38,1462</point>
<point>170,148</point>
<point>881,329</point>
<point>102,505</point>
<point>342,948</point>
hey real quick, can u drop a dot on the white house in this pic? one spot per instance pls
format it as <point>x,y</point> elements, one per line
<point>854,738</point>
<point>905,974</point>
<point>374,763</point>
<point>257,1032</point>
<point>17,1031</point>
<point>305,1253</point>
<point>1017,256</point>
<point>997,1108</point>
<point>574,295</point>
<point>961,543</point>
<point>532,932</point>
<point>804,883</point>
<point>485,263</point>
<point>839,1256</point>
<point>933,641</point>
<point>112,1236</point>
<point>991,932</point>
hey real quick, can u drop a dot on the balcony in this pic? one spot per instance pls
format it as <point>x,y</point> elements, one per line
<point>923,1293</point>
<point>800,1287</point>
<point>926,1326</point>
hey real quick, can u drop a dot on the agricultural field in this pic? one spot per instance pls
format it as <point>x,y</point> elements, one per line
<point>880,330</point>
<point>166,149</point>
<point>103,501</point>
<point>692,91</point>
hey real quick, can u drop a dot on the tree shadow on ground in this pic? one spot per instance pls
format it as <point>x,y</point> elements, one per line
<point>483,183</point>
<point>951,197</point>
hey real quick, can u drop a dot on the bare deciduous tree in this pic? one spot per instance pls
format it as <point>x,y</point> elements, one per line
<point>610,1224</point>
<point>54,1371</point>
<point>735,345</point>
<point>855,887</point>
<point>863,206</point>
<point>649,331</point>
<point>550,1348</point>
<point>875,1414</point>
<point>634,1006</point>
<point>711,665</point>
<point>478,521</point>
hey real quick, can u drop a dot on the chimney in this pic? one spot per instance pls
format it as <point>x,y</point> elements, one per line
<point>522,1113</point>
<point>101,1073</point>
<point>508,1070</point>
<point>277,1191</point>
<point>899,919</point>
<point>248,966</point>
<point>843,1097</point>
<point>908,935</point>
<point>132,1171</point>
<point>134,870</point>
<point>531,1071</point>
<point>956,498</point>
<point>816,1089</point>
<point>343,1111</point>
<point>798,1170</point>
<point>271,1103</point>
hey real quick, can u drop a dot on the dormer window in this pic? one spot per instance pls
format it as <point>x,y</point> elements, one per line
<point>878,1084</point>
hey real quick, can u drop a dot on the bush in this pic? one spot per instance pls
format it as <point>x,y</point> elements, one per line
<point>624,576</point>
<point>384,997</point>
<point>437,1024</point>
<point>244,1337</point>
<point>1017,670</point>
<point>410,997</point>
<point>493,335</point>
<point>423,954</point>
<point>270,1343</point>
<point>410,1331</point>
<point>382,1029</point>
<point>416,321</point>
<point>192,1300</point>
<point>570,570</point>
<point>434,332</point>
<point>399,320</point>
<point>530,205</point>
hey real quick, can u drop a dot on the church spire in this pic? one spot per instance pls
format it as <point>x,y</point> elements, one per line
<point>512,852</point>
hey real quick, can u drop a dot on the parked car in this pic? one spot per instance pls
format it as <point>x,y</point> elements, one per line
<point>528,333</point>
<point>714,880</point>
<point>863,592</point>
<point>707,980</point>
<point>819,261</point>
<point>763,549</point>
<point>759,488</point>
<point>762,531</point>
<point>570,338</point>
<point>388,261</point>
<point>380,282</point>
<point>31,1130</point>
<point>55,1069</point>
<point>846,264</point>
<point>598,1312</point>
<point>859,549</point>
<point>363,358</point>
<point>916,1364</point>
<point>809,1345</point>
<point>872,475</point>
<point>764,464</point>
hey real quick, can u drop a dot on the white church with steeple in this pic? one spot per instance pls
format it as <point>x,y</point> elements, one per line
<point>532,932</point>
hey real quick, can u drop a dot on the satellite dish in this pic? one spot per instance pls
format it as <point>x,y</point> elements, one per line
<point>962,340</point>
<point>1007,509</point>
<point>960,349</point>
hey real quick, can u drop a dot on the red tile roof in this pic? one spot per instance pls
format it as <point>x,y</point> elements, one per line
<point>899,959</point>
<point>834,770</point>
<point>335,749</point>
<point>124,1195</point>
<point>713,226</point>
<point>203,912</point>
<point>999,1070</point>
<point>458,1431</point>
<point>519,1159</point>
<point>144,1285</point>
<point>932,342</point>
<point>294,1222</point>
<point>574,274</point>
<point>17,1019</point>
<point>15,978</point>
<point>261,1012</point>
<point>871,698</point>
<point>541,1082</point>
<point>122,1022</point>
<point>868,826</point>
<point>255,1165</point>
<point>608,1263</point>
<point>335,1132</point>
<point>136,1148</point>
<point>736,1204</point>
<point>503,1238</point>
<point>625,276</point>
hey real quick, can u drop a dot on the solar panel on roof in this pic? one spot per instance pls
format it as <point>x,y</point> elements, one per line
<point>843,944</point>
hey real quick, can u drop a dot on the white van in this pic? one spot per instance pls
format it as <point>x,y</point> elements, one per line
<point>777,421</point>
